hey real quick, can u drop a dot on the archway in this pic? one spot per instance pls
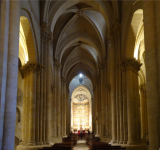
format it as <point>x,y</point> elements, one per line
<point>81,103</point>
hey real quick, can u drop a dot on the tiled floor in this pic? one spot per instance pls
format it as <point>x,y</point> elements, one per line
<point>81,145</point>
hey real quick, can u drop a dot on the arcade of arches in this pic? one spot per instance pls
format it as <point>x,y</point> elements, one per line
<point>79,64</point>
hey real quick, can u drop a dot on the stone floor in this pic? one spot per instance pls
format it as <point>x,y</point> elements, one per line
<point>81,145</point>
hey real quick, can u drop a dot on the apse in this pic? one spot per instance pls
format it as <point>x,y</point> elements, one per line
<point>81,93</point>
<point>81,109</point>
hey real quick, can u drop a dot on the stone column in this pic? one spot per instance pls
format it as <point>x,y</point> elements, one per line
<point>12,76</point>
<point>121,107</point>
<point>102,99</point>
<point>97,107</point>
<point>31,69</point>
<point>55,101</point>
<point>42,81</point>
<point>68,111</point>
<point>144,119</point>
<point>58,97</point>
<point>48,89</point>
<point>38,98</point>
<point>152,87</point>
<point>137,103</point>
<point>108,111</point>
<point>113,86</point>
<point>24,115</point>
<point>132,67</point>
<point>32,109</point>
<point>4,32</point>
<point>63,107</point>
<point>125,124</point>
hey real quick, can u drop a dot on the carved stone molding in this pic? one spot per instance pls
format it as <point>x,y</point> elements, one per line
<point>114,31</point>
<point>131,64</point>
<point>50,37</point>
<point>31,67</point>
<point>57,64</point>
<point>116,27</point>
<point>44,27</point>
<point>45,34</point>
<point>80,13</point>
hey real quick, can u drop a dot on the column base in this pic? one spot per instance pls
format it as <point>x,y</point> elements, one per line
<point>56,139</point>
<point>105,139</point>
<point>40,143</point>
<point>120,141</point>
<point>124,142</point>
<point>64,136</point>
<point>48,142</point>
<point>113,141</point>
<point>31,144</point>
<point>97,135</point>
<point>23,143</point>
<point>117,141</point>
<point>132,142</point>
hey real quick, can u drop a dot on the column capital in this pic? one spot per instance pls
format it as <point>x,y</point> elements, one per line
<point>31,67</point>
<point>114,31</point>
<point>44,30</point>
<point>50,37</point>
<point>103,64</point>
<point>131,64</point>
<point>116,27</point>
<point>57,64</point>
<point>44,26</point>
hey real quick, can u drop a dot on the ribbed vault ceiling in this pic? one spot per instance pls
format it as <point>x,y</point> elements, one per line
<point>80,31</point>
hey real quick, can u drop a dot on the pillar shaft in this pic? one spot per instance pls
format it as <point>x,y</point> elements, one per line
<point>64,108</point>
<point>24,115</point>
<point>38,109</point>
<point>97,114</point>
<point>131,66</point>
<point>153,103</point>
<point>58,97</point>
<point>113,92</point>
<point>144,120</point>
<point>12,77</point>
<point>102,100</point>
<point>48,88</point>
<point>4,30</point>
<point>125,124</point>
<point>32,109</point>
